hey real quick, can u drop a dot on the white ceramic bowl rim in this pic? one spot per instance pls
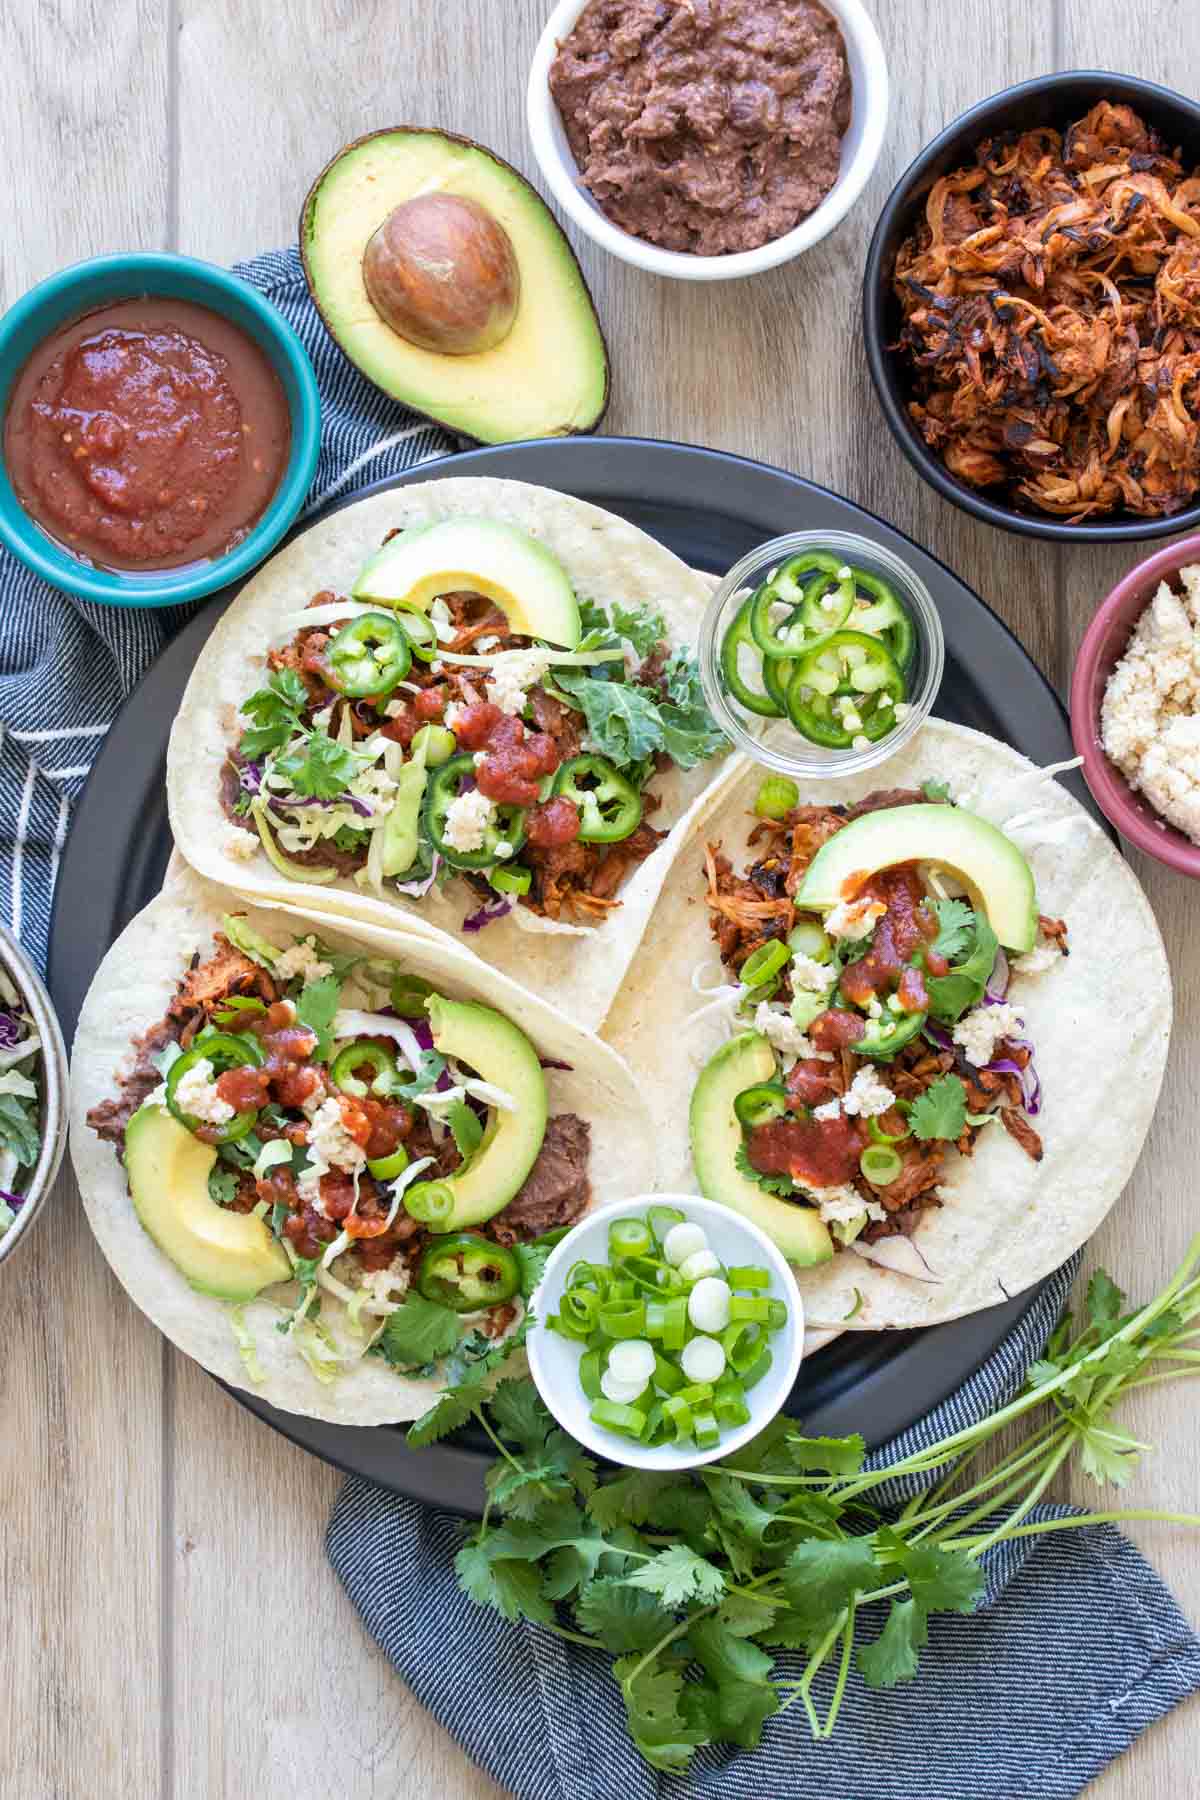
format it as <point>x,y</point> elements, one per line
<point>869,76</point>
<point>566,1400</point>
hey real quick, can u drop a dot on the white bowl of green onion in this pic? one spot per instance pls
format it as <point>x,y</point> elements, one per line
<point>667,1331</point>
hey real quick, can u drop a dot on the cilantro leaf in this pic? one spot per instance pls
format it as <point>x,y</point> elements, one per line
<point>654,1696</point>
<point>465,1128</point>
<point>316,1005</point>
<point>622,1618</point>
<point>531,1259</point>
<point>321,768</point>
<point>275,713</point>
<point>941,1111</point>
<point>513,1588</point>
<point>936,790</point>
<point>821,1575</point>
<point>519,1415</point>
<point>679,1576</point>
<point>222,1185</point>
<point>894,1654</point>
<point>418,1332</point>
<point>950,996</point>
<point>449,1412</point>
<point>739,1672</point>
<point>1107,1454</point>
<point>1105,1301</point>
<point>941,1580</point>
<point>622,720</point>
<point>956,926</point>
<point>628,1499</point>
<point>839,1456</point>
<point>782,1185</point>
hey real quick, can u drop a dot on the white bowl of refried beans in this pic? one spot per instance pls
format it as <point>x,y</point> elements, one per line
<point>707,139</point>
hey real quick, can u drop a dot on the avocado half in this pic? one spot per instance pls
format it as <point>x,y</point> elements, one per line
<point>548,378</point>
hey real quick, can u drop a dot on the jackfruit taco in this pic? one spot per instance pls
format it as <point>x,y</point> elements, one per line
<point>328,1164</point>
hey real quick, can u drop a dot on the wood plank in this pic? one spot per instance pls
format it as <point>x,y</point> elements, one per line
<point>1147,1233</point>
<point>81,1412</point>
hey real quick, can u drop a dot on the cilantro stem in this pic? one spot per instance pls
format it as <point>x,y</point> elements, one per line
<point>1007,1528</point>
<point>835,1704</point>
<point>505,1453</point>
<point>1075,1523</point>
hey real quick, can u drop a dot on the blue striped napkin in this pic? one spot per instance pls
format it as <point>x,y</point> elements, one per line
<point>1080,1647</point>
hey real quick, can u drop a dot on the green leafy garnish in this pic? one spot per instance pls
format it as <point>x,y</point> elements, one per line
<point>936,790</point>
<point>628,723</point>
<point>622,720</point>
<point>275,711</point>
<point>706,1574</point>
<point>950,996</point>
<point>316,1005</point>
<point>465,1128</point>
<point>941,1111</point>
<point>419,1332</point>
<point>222,1185</point>
<point>780,1185</point>
<point>320,768</point>
<point>639,627</point>
<point>956,927</point>
<point>19,1128</point>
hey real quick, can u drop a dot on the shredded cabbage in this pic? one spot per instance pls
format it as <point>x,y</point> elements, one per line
<point>318,1349</point>
<point>278,1150</point>
<point>245,1344</point>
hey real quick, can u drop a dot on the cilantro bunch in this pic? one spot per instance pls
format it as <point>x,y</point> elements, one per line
<point>628,723</point>
<point>316,765</point>
<point>694,1583</point>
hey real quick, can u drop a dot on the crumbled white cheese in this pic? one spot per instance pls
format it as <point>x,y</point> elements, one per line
<point>860,742</point>
<point>487,643</point>
<point>196,1094</point>
<point>467,819</point>
<point>902,711</point>
<point>782,1031</point>
<point>808,973</point>
<point>243,845</point>
<point>308,1186</point>
<point>1037,960</point>
<point>842,1205</point>
<point>980,1031</point>
<point>437,668</point>
<point>853,919</point>
<point>387,1284</point>
<point>301,958</point>
<point>395,708</point>
<point>506,686</point>
<point>874,1007</point>
<point>845,572</point>
<point>1150,716</point>
<point>479,757</point>
<point>830,1110</point>
<point>867,1095</point>
<point>330,1143</point>
<point>503,849</point>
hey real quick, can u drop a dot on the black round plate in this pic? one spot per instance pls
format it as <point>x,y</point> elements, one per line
<point>710,508</point>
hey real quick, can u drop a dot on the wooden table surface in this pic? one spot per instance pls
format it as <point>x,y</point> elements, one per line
<point>172,1626</point>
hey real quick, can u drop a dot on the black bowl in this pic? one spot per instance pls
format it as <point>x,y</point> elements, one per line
<point>1056,100</point>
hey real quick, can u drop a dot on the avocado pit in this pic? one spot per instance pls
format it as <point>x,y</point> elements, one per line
<point>441,271</point>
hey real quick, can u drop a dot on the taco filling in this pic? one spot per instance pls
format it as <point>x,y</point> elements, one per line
<point>399,747</point>
<point>878,953</point>
<point>319,1127</point>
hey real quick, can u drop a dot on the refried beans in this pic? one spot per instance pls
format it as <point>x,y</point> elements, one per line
<point>708,126</point>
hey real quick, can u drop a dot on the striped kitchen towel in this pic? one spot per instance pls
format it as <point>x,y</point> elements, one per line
<point>67,665</point>
<point>1078,1647</point>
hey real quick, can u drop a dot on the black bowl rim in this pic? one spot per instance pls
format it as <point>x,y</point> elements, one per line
<point>884,376</point>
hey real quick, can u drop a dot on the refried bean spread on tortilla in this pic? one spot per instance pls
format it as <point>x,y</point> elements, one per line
<point>707,126</point>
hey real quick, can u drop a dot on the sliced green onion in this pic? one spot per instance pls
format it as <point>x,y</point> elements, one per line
<point>667,1376</point>
<point>697,1394</point>
<point>581,1306</point>
<point>678,1415</point>
<point>675,1324</point>
<point>589,1374</point>
<point>593,1275</point>
<point>620,1320</point>
<point>511,881</point>
<point>880,1136</point>
<point>776,1315</point>
<point>432,1202</point>
<point>764,962</point>
<point>729,1403</point>
<point>755,1373</point>
<point>749,1306</point>
<point>776,797</point>
<point>739,1277</point>
<point>705,1430</point>
<point>808,938</point>
<point>880,1164</point>
<point>628,1237</point>
<point>660,1220</point>
<point>622,1289</point>
<point>627,1421</point>
<point>741,1341</point>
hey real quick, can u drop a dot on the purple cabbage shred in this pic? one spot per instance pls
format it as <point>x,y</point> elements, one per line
<point>250,777</point>
<point>10,1030</point>
<point>552,1062</point>
<point>16,1201</point>
<point>417,890</point>
<point>490,911</point>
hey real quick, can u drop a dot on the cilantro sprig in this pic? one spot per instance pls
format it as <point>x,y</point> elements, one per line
<point>693,1582</point>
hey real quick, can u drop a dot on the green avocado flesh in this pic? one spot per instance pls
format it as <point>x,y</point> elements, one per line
<point>745,1061</point>
<point>476,556</point>
<point>547,378</point>
<point>227,1254</point>
<point>991,868</point>
<point>500,1053</point>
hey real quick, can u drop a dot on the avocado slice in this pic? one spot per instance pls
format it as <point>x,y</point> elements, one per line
<point>548,377</point>
<point>476,556</point>
<point>989,865</point>
<point>500,1053</point>
<point>227,1254</point>
<point>745,1061</point>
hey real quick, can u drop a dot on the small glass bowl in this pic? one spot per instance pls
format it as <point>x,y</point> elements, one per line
<point>776,742</point>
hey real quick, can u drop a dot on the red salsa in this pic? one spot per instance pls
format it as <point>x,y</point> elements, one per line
<point>148,434</point>
<point>817,1153</point>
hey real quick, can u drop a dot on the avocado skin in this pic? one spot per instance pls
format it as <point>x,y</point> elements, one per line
<point>482,434</point>
<point>231,1256</point>
<point>503,1055</point>
<point>743,1062</point>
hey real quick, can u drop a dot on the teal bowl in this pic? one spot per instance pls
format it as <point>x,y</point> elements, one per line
<point>100,282</point>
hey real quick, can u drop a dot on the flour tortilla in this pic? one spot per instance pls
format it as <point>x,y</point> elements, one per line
<point>1100,1022</point>
<point>130,993</point>
<point>608,560</point>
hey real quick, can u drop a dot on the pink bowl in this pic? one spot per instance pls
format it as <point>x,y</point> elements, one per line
<point>1102,648</point>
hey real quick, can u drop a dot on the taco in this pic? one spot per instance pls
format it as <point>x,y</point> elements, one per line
<point>936,1032</point>
<point>325,1162</point>
<point>468,706</point>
